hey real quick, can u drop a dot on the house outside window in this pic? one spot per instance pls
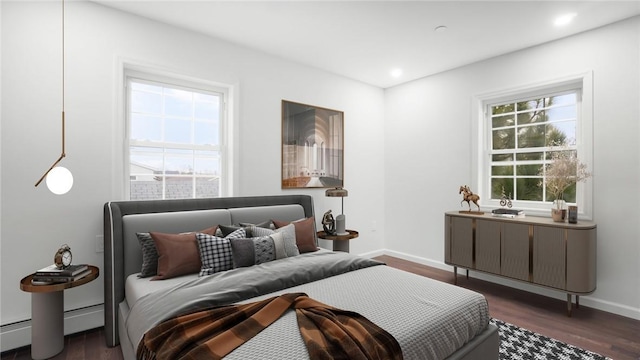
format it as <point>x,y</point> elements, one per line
<point>176,142</point>
<point>520,131</point>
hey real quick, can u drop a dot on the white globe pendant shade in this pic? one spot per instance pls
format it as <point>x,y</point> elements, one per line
<point>59,180</point>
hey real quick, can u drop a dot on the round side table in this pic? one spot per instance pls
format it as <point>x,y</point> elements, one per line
<point>340,242</point>
<point>47,313</point>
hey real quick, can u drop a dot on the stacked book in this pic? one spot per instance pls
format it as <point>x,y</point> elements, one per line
<point>52,275</point>
<point>508,213</point>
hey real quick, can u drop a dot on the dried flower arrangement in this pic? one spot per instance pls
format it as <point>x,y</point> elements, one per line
<point>564,171</point>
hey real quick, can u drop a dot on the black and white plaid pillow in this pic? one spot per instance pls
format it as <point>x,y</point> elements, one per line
<point>215,252</point>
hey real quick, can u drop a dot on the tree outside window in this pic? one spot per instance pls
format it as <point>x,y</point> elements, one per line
<point>524,136</point>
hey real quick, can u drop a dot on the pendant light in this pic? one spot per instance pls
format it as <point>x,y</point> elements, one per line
<point>59,179</point>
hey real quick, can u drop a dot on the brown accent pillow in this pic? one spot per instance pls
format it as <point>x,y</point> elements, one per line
<point>305,233</point>
<point>178,254</point>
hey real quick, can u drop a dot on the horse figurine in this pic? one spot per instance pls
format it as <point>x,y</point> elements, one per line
<point>468,196</point>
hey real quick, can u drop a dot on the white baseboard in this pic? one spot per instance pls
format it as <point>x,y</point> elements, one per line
<point>16,335</point>
<point>589,300</point>
<point>373,254</point>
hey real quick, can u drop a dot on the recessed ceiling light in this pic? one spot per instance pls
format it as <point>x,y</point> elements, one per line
<point>440,29</point>
<point>564,19</point>
<point>396,73</point>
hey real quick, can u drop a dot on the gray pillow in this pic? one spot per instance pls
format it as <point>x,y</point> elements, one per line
<point>288,234</point>
<point>267,224</point>
<point>253,251</point>
<point>228,229</point>
<point>278,244</point>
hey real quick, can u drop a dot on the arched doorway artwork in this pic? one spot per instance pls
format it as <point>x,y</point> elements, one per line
<point>312,146</point>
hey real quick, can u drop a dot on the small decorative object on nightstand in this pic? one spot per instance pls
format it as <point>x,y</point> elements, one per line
<point>340,219</point>
<point>340,242</point>
<point>47,313</point>
<point>328,223</point>
<point>63,257</point>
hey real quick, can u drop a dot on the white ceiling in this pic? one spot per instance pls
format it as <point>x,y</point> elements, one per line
<point>365,40</point>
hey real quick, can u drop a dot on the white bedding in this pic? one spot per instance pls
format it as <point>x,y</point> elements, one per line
<point>424,323</point>
<point>429,319</point>
<point>135,287</point>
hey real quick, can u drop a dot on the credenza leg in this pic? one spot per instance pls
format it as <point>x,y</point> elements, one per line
<point>577,302</point>
<point>467,274</point>
<point>569,305</point>
<point>455,275</point>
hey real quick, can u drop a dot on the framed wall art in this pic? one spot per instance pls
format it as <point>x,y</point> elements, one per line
<point>312,146</point>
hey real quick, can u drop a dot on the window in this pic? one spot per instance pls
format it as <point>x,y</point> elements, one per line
<point>176,146</point>
<point>522,131</point>
<point>523,136</point>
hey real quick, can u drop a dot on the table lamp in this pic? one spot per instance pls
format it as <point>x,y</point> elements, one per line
<point>340,219</point>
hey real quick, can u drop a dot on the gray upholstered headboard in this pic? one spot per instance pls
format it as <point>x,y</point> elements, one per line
<point>122,254</point>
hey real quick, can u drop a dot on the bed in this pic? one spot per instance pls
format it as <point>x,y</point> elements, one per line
<point>429,319</point>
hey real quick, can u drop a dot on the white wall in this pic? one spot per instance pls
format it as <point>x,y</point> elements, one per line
<point>430,119</point>
<point>407,148</point>
<point>99,40</point>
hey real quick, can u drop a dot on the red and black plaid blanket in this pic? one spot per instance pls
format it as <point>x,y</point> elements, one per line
<point>328,333</point>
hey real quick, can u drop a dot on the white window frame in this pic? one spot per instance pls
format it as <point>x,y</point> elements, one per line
<point>180,82</point>
<point>481,140</point>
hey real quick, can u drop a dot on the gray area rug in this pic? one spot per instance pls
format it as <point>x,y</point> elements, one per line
<point>517,343</point>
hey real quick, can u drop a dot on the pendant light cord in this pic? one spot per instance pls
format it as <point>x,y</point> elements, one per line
<point>63,127</point>
<point>62,155</point>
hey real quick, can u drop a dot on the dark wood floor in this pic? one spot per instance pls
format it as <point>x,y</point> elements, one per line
<point>611,335</point>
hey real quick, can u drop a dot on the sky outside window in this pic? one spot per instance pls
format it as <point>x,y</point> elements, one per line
<point>174,140</point>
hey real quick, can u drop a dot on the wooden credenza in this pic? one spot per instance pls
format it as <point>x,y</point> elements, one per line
<point>535,250</point>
